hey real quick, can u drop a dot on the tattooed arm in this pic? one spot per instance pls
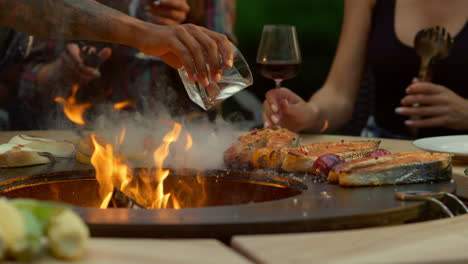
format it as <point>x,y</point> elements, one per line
<point>179,45</point>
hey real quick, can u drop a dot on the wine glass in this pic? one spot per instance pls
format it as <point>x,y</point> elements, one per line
<point>279,56</point>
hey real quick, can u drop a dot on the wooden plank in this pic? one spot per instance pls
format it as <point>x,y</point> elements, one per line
<point>150,251</point>
<point>440,241</point>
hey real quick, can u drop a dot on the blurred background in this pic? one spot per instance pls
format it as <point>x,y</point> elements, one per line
<point>318,24</point>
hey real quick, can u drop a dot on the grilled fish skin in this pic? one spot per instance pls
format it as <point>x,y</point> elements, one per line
<point>398,168</point>
<point>279,149</point>
<point>301,158</point>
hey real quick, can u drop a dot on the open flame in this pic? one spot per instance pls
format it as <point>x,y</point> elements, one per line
<point>73,110</point>
<point>123,104</point>
<point>145,186</point>
<point>189,141</point>
<point>161,153</point>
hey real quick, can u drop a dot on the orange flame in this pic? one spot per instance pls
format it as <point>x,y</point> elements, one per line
<point>324,126</point>
<point>161,174</point>
<point>73,110</point>
<point>175,202</point>
<point>110,171</point>
<point>123,104</point>
<point>189,141</point>
<point>148,188</point>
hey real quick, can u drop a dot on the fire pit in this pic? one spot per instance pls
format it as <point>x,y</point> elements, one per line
<point>214,188</point>
<point>236,203</point>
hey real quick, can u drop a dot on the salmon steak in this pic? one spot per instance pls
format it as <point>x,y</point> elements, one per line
<point>240,153</point>
<point>279,149</point>
<point>398,168</point>
<point>301,158</point>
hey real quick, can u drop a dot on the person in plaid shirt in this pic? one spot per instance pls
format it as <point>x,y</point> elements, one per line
<point>53,67</point>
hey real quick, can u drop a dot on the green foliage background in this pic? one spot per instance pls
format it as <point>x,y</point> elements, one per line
<point>318,23</point>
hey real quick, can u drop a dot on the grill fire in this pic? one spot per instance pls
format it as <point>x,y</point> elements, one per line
<point>144,186</point>
<point>121,184</point>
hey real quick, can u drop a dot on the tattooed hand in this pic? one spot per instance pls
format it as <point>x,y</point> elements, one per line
<point>190,46</point>
<point>185,45</point>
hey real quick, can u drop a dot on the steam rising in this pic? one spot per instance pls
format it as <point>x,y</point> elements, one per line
<point>210,139</point>
<point>162,96</point>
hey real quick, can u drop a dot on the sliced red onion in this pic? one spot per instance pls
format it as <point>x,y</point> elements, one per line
<point>325,163</point>
<point>379,152</point>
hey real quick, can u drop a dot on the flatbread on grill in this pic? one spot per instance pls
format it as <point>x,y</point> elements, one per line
<point>14,155</point>
<point>60,149</point>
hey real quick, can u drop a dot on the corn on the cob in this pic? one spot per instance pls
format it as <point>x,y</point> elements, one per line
<point>67,235</point>
<point>22,232</point>
<point>66,232</point>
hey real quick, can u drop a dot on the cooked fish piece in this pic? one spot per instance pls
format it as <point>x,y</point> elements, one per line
<point>398,168</point>
<point>302,158</point>
<point>264,158</point>
<point>269,137</point>
<point>242,152</point>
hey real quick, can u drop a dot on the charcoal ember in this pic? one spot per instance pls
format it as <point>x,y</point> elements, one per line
<point>121,200</point>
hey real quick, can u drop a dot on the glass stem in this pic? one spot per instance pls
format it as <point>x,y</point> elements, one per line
<point>278,83</point>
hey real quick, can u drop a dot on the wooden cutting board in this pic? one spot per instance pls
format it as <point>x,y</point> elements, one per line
<point>440,241</point>
<point>151,251</point>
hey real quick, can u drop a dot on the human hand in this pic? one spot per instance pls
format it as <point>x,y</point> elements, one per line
<point>168,12</point>
<point>190,46</point>
<point>284,108</point>
<point>73,68</point>
<point>438,107</point>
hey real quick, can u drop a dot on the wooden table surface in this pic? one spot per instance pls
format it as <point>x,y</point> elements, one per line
<point>153,251</point>
<point>440,241</point>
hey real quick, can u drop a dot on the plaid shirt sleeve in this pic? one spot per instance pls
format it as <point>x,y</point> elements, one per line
<point>221,17</point>
<point>217,15</point>
<point>15,51</point>
<point>42,52</point>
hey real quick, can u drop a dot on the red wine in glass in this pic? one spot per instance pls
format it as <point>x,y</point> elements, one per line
<point>279,70</point>
<point>279,56</point>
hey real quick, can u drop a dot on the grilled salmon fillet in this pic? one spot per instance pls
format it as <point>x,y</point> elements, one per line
<point>267,139</point>
<point>403,167</point>
<point>277,149</point>
<point>302,158</point>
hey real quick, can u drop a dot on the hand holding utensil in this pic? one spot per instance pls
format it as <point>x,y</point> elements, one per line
<point>90,56</point>
<point>431,44</point>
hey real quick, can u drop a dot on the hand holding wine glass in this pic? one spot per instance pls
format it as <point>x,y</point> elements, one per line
<point>278,55</point>
<point>283,108</point>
